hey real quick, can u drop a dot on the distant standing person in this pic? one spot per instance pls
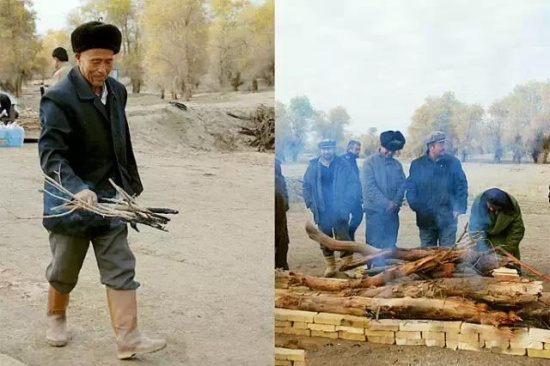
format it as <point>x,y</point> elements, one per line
<point>61,64</point>
<point>437,191</point>
<point>329,190</point>
<point>351,155</point>
<point>281,207</point>
<point>383,190</point>
<point>496,215</point>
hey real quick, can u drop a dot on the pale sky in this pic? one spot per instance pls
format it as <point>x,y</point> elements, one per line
<point>52,14</point>
<point>380,59</point>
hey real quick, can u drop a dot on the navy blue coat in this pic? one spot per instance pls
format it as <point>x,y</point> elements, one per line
<point>435,189</point>
<point>346,189</point>
<point>87,143</point>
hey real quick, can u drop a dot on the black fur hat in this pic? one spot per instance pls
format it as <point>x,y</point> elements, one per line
<point>61,54</point>
<point>96,35</point>
<point>392,140</point>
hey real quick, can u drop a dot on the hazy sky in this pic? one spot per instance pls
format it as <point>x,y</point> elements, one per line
<point>52,14</point>
<point>380,59</point>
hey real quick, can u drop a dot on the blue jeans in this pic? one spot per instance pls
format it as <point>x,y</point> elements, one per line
<point>335,228</point>
<point>444,236</point>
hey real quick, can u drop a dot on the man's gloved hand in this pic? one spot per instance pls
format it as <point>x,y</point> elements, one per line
<point>87,196</point>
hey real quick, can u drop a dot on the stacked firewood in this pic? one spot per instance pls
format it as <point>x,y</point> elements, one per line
<point>423,283</point>
<point>261,127</point>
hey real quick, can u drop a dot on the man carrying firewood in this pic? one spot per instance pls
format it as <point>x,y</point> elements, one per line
<point>496,216</point>
<point>437,191</point>
<point>356,214</point>
<point>383,191</point>
<point>84,141</point>
<point>330,190</point>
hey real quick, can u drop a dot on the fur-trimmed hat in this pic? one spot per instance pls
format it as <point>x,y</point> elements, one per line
<point>392,140</point>
<point>61,54</point>
<point>96,35</point>
<point>326,143</point>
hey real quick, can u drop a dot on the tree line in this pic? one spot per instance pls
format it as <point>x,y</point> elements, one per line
<point>518,123</point>
<point>172,46</point>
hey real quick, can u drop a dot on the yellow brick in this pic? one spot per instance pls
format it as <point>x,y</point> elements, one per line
<point>541,335</point>
<point>317,333</point>
<point>408,335</point>
<point>283,363</point>
<point>351,330</point>
<point>469,346</point>
<point>438,336</point>
<point>299,363</point>
<point>520,338</point>
<point>293,331</point>
<point>283,323</point>
<point>328,318</point>
<point>294,315</point>
<point>355,321</point>
<point>469,328</point>
<point>547,346</point>
<point>382,340</point>
<point>290,354</point>
<point>410,342</point>
<point>379,333</point>
<point>435,342</point>
<point>494,343</point>
<point>351,336</point>
<point>300,325</point>
<point>536,345</point>
<point>452,336</point>
<point>471,338</point>
<point>384,324</point>
<point>451,344</point>
<point>513,351</point>
<point>441,326</point>
<point>322,327</point>
<point>415,325</point>
<point>538,353</point>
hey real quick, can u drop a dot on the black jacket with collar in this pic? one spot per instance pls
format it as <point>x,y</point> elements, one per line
<point>83,143</point>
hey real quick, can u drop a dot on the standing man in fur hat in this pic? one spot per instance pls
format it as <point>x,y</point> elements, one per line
<point>84,141</point>
<point>437,190</point>
<point>356,215</point>
<point>383,190</point>
<point>61,64</point>
<point>330,189</point>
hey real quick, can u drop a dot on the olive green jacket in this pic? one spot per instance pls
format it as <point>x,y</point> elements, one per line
<point>500,229</point>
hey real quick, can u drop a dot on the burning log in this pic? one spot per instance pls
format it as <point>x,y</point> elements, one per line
<point>403,308</point>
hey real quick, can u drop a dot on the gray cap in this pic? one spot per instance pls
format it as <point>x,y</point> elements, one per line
<point>436,136</point>
<point>326,143</point>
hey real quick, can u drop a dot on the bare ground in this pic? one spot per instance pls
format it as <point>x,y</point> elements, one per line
<point>528,183</point>
<point>206,285</point>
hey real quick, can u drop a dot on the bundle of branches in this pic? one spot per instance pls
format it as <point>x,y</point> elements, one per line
<point>124,208</point>
<point>262,127</point>
<point>428,283</point>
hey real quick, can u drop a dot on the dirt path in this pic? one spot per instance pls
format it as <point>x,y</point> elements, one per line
<point>528,183</point>
<point>206,285</point>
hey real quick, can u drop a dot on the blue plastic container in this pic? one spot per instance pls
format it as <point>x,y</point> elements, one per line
<point>3,135</point>
<point>15,135</point>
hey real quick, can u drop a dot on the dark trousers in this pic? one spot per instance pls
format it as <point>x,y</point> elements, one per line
<point>115,260</point>
<point>439,235</point>
<point>382,229</point>
<point>355,220</point>
<point>335,228</point>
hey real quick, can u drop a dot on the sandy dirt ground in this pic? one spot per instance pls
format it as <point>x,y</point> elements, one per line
<point>207,285</point>
<point>527,182</point>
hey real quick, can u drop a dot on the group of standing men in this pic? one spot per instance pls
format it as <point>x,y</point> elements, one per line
<point>338,193</point>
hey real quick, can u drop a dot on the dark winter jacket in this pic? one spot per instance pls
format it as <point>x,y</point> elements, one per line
<point>352,160</point>
<point>84,143</point>
<point>346,189</point>
<point>501,228</point>
<point>435,189</point>
<point>383,180</point>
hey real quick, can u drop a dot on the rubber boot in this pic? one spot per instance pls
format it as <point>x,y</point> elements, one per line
<point>57,335</point>
<point>129,341</point>
<point>330,262</point>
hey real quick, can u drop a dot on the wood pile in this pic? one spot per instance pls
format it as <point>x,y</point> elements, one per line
<point>423,283</point>
<point>261,127</point>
